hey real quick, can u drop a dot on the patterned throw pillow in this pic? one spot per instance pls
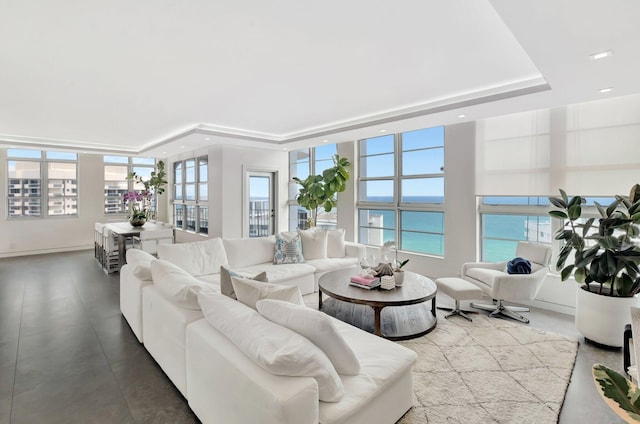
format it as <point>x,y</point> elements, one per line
<point>288,249</point>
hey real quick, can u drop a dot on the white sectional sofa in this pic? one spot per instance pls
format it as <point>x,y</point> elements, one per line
<point>248,257</point>
<point>219,381</point>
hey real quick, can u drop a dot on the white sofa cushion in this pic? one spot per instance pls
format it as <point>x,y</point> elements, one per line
<point>177,285</point>
<point>315,326</point>
<point>314,243</point>
<point>485,275</point>
<point>250,291</point>
<point>336,245</point>
<point>382,364</point>
<point>226,288</point>
<point>140,263</point>
<point>331,264</point>
<point>243,252</point>
<point>197,258</point>
<point>274,348</point>
<point>288,249</point>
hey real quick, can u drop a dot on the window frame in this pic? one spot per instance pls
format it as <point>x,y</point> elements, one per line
<point>529,209</point>
<point>43,160</point>
<point>200,206</point>
<point>397,205</point>
<point>130,164</point>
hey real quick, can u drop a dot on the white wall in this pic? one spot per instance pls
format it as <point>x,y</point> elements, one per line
<point>459,207</point>
<point>228,166</point>
<point>33,235</point>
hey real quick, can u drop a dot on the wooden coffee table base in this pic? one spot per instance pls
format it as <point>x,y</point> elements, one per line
<point>399,322</point>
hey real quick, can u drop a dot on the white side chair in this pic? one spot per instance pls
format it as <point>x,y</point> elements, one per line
<point>632,350</point>
<point>97,242</point>
<point>149,240</point>
<point>496,283</point>
<point>110,263</point>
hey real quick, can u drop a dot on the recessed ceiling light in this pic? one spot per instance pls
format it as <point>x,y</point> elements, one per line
<point>207,139</point>
<point>325,141</point>
<point>383,130</point>
<point>182,147</point>
<point>164,153</point>
<point>462,115</point>
<point>601,55</point>
<point>605,90</point>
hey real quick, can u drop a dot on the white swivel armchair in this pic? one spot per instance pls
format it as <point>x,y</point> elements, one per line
<point>496,283</point>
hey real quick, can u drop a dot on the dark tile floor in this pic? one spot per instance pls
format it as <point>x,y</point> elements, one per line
<point>68,356</point>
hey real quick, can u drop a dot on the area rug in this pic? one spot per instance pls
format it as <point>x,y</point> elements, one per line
<point>489,371</point>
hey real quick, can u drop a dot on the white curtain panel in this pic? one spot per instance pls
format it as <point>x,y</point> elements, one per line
<point>590,148</point>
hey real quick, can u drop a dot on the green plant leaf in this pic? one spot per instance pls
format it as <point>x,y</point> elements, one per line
<point>620,394</point>
<point>566,272</point>
<point>564,196</point>
<point>558,202</point>
<point>587,226</point>
<point>575,211</point>
<point>612,207</point>
<point>558,214</point>
<point>580,274</point>
<point>601,209</point>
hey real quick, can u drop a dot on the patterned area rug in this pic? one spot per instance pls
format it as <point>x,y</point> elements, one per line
<point>489,371</point>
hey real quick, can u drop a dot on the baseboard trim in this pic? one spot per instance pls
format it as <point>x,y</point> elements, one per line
<point>44,251</point>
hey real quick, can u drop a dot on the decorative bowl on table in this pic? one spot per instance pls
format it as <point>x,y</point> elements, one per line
<point>137,221</point>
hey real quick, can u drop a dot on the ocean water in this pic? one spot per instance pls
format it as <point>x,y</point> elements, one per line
<point>500,232</point>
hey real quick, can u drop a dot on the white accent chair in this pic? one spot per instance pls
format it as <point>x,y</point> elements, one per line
<point>631,351</point>
<point>97,242</point>
<point>496,283</point>
<point>110,260</point>
<point>149,240</point>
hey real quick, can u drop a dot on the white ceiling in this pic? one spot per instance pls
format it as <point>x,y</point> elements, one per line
<point>160,77</point>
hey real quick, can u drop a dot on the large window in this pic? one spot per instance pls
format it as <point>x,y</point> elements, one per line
<point>401,190</point>
<point>505,220</point>
<point>302,163</point>
<point>116,184</point>
<point>191,194</point>
<point>29,171</point>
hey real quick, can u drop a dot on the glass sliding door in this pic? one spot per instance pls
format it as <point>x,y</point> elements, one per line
<point>260,204</point>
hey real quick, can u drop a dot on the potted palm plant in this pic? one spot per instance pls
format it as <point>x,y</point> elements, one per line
<point>320,190</point>
<point>605,262</point>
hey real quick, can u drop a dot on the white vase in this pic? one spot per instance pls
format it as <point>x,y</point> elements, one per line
<point>399,276</point>
<point>602,318</point>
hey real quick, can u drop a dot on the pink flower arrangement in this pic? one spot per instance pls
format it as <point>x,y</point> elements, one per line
<point>134,197</point>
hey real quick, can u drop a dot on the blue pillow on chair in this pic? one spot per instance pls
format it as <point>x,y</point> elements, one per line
<point>519,266</point>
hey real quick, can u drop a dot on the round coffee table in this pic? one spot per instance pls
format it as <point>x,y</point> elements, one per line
<point>416,289</point>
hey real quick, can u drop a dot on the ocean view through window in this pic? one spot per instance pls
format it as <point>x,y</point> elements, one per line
<point>505,220</point>
<point>401,190</point>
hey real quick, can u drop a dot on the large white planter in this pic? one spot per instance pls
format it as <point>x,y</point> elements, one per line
<point>602,318</point>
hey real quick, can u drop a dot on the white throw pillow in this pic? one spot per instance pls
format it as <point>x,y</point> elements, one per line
<point>197,258</point>
<point>177,285</point>
<point>315,326</point>
<point>274,348</point>
<point>288,249</point>
<point>140,263</point>
<point>250,291</point>
<point>314,244</point>
<point>336,247</point>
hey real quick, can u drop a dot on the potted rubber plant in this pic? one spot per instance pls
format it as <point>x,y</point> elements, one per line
<point>320,190</point>
<point>602,254</point>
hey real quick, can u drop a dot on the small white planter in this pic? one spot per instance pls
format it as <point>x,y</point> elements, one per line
<point>602,318</point>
